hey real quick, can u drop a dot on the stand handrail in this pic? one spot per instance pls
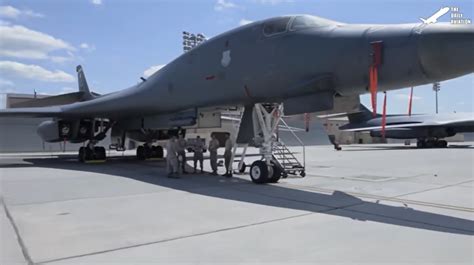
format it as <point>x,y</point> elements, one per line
<point>298,139</point>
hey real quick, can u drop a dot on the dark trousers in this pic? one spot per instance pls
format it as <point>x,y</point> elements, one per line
<point>213,158</point>
<point>227,156</point>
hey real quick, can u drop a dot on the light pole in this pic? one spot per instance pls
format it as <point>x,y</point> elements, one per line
<point>436,88</point>
<point>191,40</point>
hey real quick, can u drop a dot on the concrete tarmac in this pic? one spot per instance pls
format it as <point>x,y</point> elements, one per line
<point>367,204</point>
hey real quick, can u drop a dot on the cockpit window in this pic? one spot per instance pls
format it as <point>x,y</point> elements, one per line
<point>276,26</point>
<point>303,22</point>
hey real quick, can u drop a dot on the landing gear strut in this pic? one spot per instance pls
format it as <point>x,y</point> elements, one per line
<point>266,170</point>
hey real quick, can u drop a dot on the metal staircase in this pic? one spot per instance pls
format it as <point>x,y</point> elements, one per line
<point>286,159</point>
<point>267,118</point>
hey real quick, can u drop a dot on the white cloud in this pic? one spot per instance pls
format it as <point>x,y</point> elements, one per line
<point>244,22</point>
<point>148,72</point>
<point>33,72</point>
<point>406,97</point>
<point>21,42</point>
<point>14,13</point>
<point>96,2</point>
<point>87,47</point>
<point>224,4</point>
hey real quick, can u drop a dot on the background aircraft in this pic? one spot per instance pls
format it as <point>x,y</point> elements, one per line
<point>428,129</point>
<point>304,63</point>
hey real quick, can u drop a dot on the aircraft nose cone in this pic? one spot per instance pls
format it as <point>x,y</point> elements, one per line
<point>447,51</point>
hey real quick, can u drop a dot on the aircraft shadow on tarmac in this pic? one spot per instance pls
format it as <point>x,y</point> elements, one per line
<point>338,203</point>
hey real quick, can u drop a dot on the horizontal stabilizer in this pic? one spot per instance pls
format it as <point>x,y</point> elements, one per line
<point>40,112</point>
<point>50,101</point>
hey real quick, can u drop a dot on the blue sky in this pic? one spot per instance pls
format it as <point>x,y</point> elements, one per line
<point>116,41</point>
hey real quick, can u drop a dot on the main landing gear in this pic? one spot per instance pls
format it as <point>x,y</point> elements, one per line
<point>261,172</point>
<point>91,153</point>
<point>148,151</point>
<point>431,143</point>
<point>267,170</point>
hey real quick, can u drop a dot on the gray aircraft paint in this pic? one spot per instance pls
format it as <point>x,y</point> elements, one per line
<point>411,126</point>
<point>331,57</point>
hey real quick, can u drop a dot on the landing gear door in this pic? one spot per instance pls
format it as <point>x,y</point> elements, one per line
<point>209,118</point>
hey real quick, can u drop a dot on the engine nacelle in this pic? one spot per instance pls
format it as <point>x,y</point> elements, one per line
<point>75,131</point>
<point>55,131</point>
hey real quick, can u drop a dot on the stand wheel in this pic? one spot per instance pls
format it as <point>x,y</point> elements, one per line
<point>259,172</point>
<point>303,174</point>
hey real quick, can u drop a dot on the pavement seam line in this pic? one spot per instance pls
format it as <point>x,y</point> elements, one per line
<point>386,198</point>
<point>179,238</point>
<point>23,247</point>
<point>347,208</point>
<point>431,189</point>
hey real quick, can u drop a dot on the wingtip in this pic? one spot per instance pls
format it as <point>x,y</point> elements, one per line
<point>78,68</point>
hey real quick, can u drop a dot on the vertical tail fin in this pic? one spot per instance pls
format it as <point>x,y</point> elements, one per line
<point>361,116</point>
<point>83,87</point>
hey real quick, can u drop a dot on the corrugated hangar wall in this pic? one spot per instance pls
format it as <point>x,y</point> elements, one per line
<point>19,135</point>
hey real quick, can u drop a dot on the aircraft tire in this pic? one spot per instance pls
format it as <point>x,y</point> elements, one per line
<point>148,150</point>
<point>157,151</point>
<point>81,155</point>
<point>259,172</point>
<point>421,144</point>
<point>100,153</point>
<point>88,154</point>
<point>141,153</point>
<point>242,168</point>
<point>277,172</point>
<point>430,144</point>
<point>442,144</point>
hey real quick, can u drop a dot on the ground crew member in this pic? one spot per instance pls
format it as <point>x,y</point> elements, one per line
<point>213,146</point>
<point>228,156</point>
<point>198,150</point>
<point>181,149</point>
<point>172,158</point>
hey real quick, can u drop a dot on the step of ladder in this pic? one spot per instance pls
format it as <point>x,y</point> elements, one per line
<point>286,159</point>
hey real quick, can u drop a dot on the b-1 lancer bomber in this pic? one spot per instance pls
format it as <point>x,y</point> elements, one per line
<point>302,62</point>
